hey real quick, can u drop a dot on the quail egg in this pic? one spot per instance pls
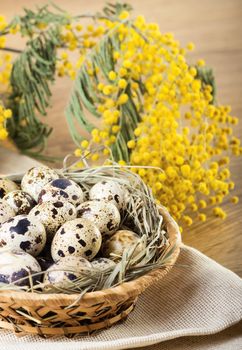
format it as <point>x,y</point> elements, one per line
<point>110,191</point>
<point>62,189</point>
<point>6,186</point>
<point>53,214</point>
<point>17,264</point>
<point>20,201</point>
<point>23,232</point>
<point>102,264</point>
<point>6,212</point>
<point>36,178</point>
<point>103,214</point>
<point>121,240</point>
<point>66,270</point>
<point>79,237</point>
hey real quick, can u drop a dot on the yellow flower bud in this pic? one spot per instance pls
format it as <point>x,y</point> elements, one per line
<point>194,207</point>
<point>123,98</point>
<point>95,132</point>
<point>95,157</point>
<point>201,63</point>
<point>116,55</point>
<point>179,160</point>
<point>107,90</point>
<point>127,64</point>
<point>122,162</point>
<point>64,55</point>
<point>106,152</point>
<point>7,113</point>
<point>142,172</point>
<point>234,199</point>
<point>122,72</point>
<point>202,187</point>
<point>137,132</point>
<point>78,152</point>
<point>202,204</point>
<point>109,103</point>
<point>162,176</point>
<point>193,71</point>
<point>122,83</point>
<point>3,134</point>
<point>79,27</point>
<point>112,75</point>
<point>185,170</point>
<point>96,139</point>
<point>190,46</point>
<point>84,144</point>
<point>202,217</point>
<point>124,15</point>
<point>131,144</point>
<point>188,220</point>
<point>158,186</point>
<point>115,129</point>
<point>171,172</point>
<point>100,86</point>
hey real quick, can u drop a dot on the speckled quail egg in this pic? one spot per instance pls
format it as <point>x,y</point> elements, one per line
<point>66,270</point>
<point>62,189</point>
<point>53,214</point>
<point>17,264</point>
<point>110,191</point>
<point>23,232</point>
<point>20,201</point>
<point>36,178</point>
<point>103,214</point>
<point>6,212</point>
<point>120,241</point>
<point>79,237</point>
<point>102,264</point>
<point>6,186</point>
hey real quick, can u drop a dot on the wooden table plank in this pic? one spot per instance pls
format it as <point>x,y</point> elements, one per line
<point>215,27</point>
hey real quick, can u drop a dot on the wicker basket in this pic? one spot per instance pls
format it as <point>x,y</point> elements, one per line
<point>62,314</point>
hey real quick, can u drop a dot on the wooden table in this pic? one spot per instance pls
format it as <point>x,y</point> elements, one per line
<point>215,27</point>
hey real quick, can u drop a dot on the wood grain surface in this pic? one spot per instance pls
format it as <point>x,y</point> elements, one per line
<point>215,28</point>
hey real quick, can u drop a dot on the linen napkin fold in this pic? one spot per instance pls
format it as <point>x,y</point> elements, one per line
<point>198,297</point>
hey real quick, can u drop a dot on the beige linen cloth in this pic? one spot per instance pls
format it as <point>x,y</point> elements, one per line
<point>196,299</point>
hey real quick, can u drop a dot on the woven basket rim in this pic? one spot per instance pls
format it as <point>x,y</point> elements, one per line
<point>126,289</point>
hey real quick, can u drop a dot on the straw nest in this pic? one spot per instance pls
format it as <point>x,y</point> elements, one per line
<point>98,299</point>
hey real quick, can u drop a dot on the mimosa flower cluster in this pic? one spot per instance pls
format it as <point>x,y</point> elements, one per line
<point>157,114</point>
<point>5,71</point>
<point>4,115</point>
<point>180,130</point>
